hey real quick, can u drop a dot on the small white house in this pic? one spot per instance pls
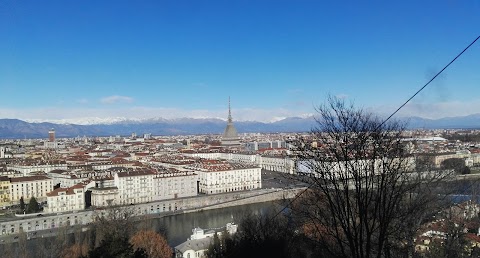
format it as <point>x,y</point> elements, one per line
<point>197,245</point>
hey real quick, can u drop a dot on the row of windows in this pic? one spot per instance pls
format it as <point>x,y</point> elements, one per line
<point>36,183</point>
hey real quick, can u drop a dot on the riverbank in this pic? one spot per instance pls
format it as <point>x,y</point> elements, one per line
<point>49,224</point>
<point>254,197</point>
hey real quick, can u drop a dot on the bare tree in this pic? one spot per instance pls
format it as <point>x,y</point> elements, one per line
<point>113,222</point>
<point>7,249</point>
<point>75,251</point>
<point>111,232</point>
<point>51,247</point>
<point>22,251</point>
<point>266,234</point>
<point>365,197</point>
<point>78,244</point>
<point>154,244</point>
<point>78,235</point>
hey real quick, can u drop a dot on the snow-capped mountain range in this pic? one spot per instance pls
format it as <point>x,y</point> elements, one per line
<point>14,128</point>
<point>94,120</point>
<point>94,126</point>
<point>125,120</point>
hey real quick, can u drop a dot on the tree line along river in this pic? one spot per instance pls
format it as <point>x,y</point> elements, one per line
<point>179,227</point>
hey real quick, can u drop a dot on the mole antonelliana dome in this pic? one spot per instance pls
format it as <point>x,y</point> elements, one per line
<point>230,136</point>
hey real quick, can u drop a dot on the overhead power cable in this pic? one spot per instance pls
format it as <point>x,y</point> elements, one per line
<point>433,78</point>
<point>388,118</point>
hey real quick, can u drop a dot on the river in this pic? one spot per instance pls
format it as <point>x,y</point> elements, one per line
<point>179,227</point>
<point>176,227</point>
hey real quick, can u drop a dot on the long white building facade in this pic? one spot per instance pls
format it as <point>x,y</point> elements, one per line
<point>30,186</point>
<point>217,176</point>
<point>284,164</point>
<point>174,184</point>
<point>26,169</point>
<point>134,186</point>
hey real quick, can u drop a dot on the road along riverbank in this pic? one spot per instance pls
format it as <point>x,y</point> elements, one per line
<point>48,224</point>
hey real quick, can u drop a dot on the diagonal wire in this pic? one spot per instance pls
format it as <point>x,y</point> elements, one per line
<point>388,118</point>
<point>311,183</point>
<point>426,84</point>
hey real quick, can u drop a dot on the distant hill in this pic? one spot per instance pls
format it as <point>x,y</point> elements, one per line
<point>459,122</point>
<point>14,128</point>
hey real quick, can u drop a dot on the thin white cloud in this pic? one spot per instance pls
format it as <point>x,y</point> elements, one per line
<point>82,101</point>
<point>116,99</point>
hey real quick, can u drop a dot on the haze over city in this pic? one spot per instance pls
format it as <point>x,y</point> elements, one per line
<point>102,60</point>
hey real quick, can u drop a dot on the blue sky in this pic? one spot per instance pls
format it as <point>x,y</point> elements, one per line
<point>276,58</point>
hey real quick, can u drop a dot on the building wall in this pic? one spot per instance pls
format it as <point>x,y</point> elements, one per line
<point>26,169</point>
<point>171,186</point>
<point>205,155</point>
<point>440,158</point>
<point>31,188</point>
<point>65,180</point>
<point>104,197</point>
<point>205,202</point>
<point>278,164</point>
<point>234,157</point>
<point>135,188</point>
<point>213,182</point>
<point>241,158</point>
<point>31,224</point>
<point>364,166</point>
<point>5,197</point>
<point>65,201</point>
<point>255,146</point>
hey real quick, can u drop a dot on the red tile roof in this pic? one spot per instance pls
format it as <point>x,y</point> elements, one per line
<point>68,191</point>
<point>28,178</point>
<point>135,173</point>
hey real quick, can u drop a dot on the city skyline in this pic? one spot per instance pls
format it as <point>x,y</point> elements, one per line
<point>276,59</point>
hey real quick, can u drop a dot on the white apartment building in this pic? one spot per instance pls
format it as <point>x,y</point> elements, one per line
<point>134,186</point>
<point>234,157</point>
<point>438,159</point>
<point>255,146</point>
<point>30,186</point>
<point>66,199</point>
<point>219,177</point>
<point>3,150</point>
<point>345,168</point>
<point>204,155</point>
<point>284,164</point>
<point>64,178</point>
<point>278,164</point>
<point>26,169</point>
<point>174,184</point>
<point>241,158</point>
<point>104,197</point>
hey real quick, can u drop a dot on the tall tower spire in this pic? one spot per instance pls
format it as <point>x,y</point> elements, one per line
<point>230,136</point>
<point>229,111</point>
